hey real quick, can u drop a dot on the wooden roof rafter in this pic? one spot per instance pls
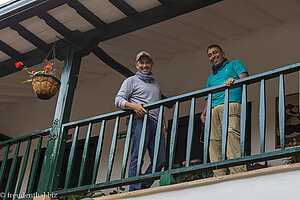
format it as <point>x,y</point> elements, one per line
<point>87,41</point>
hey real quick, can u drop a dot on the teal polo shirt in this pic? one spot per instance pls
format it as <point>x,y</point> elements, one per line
<point>229,70</point>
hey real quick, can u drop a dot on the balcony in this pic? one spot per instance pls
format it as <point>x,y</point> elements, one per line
<point>69,152</point>
<point>92,154</point>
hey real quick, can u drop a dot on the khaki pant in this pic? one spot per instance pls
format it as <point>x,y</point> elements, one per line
<point>233,141</point>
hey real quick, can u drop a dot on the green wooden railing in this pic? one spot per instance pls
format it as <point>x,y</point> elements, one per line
<point>12,173</point>
<point>176,101</point>
<point>109,125</point>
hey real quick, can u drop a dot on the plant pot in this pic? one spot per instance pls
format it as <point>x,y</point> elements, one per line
<point>45,86</point>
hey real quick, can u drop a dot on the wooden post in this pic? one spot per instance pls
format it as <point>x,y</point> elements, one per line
<point>56,144</point>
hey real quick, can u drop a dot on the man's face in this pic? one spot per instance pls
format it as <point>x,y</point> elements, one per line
<point>144,65</point>
<point>215,56</point>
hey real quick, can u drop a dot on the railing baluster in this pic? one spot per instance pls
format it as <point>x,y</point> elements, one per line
<point>207,129</point>
<point>173,134</point>
<point>84,155</point>
<point>24,165</point>
<point>243,119</point>
<point>281,111</point>
<point>190,133</point>
<point>127,146</point>
<point>157,138</point>
<point>71,158</point>
<point>113,149</point>
<point>3,165</point>
<point>98,151</point>
<point>12,169</point>
<point>34,166</point>
<point>225,124</point>
<point>142,145</point>
<point>262,116</point>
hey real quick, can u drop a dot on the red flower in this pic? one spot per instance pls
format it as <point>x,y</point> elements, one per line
<point>18,64</point>
<point>46,60</point>
<point>53,73</point>
<point>47,67</point>
<point>33,71</point>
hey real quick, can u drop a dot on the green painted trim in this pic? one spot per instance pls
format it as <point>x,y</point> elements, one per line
<point>173,134</point>
<point>262,116</point>
<point>207,128</point>
<point>84,155</point>
<point>24,166</point>
<point>225,124</point>
<point>26,137</point>
<point>190,132</point>
<point>243,119</point>
<point>71,158</point>
<point>157,137</point>
<point>98,152</point>
<point>127,146</point>
<point>12,170</point>
<point>3,164</point>
<point>113,147</point>
<point>142,145</point>
<point>34,167</point>
<point>281,114</point>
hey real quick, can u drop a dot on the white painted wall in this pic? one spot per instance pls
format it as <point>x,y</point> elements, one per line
<point>276,186</point>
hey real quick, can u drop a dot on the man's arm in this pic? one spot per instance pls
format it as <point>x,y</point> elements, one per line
<point>203,115</point>
<point>122,99</point>
<point>231,80</point>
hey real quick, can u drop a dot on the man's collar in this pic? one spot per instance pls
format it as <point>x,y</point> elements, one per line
<point>216,68</point>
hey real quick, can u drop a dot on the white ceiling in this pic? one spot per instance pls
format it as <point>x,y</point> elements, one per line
<point>187,33</point>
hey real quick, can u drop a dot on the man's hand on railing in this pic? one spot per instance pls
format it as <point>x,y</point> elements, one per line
<point>203,118</point>
<point>229,82</point>
<point>137,108</point>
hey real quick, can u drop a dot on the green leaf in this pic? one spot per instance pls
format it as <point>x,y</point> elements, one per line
<point>27,81</point>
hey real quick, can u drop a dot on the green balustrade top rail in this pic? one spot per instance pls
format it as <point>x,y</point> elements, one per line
<point>102,168</point>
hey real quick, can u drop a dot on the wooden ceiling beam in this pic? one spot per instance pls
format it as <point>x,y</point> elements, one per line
<point>30,37</point>
<point>55,24</point>
<point>107,59</point>
<point>10,51</point>
<point>124,7</point>
<point>86,14</point>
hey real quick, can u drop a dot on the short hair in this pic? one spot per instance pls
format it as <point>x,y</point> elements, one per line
<point>213,46</point>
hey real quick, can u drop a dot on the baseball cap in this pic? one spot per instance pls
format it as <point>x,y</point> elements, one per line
<point>143,53</point>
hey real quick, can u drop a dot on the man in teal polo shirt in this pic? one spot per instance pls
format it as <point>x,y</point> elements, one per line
<point>224,72</point>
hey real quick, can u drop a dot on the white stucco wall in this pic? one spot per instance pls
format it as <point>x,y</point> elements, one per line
<point>276,185</point>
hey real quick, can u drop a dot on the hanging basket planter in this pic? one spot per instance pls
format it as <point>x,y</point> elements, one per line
<point>45,86</point>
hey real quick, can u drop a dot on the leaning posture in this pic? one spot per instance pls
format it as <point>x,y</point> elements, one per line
<point>224,72</point>
<point>135,91</point>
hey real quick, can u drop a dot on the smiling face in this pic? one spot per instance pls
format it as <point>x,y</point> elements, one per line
<point>144,65</point>
<point>215,55</point>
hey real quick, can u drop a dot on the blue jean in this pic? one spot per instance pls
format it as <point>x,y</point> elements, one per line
<point>149,144</point>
